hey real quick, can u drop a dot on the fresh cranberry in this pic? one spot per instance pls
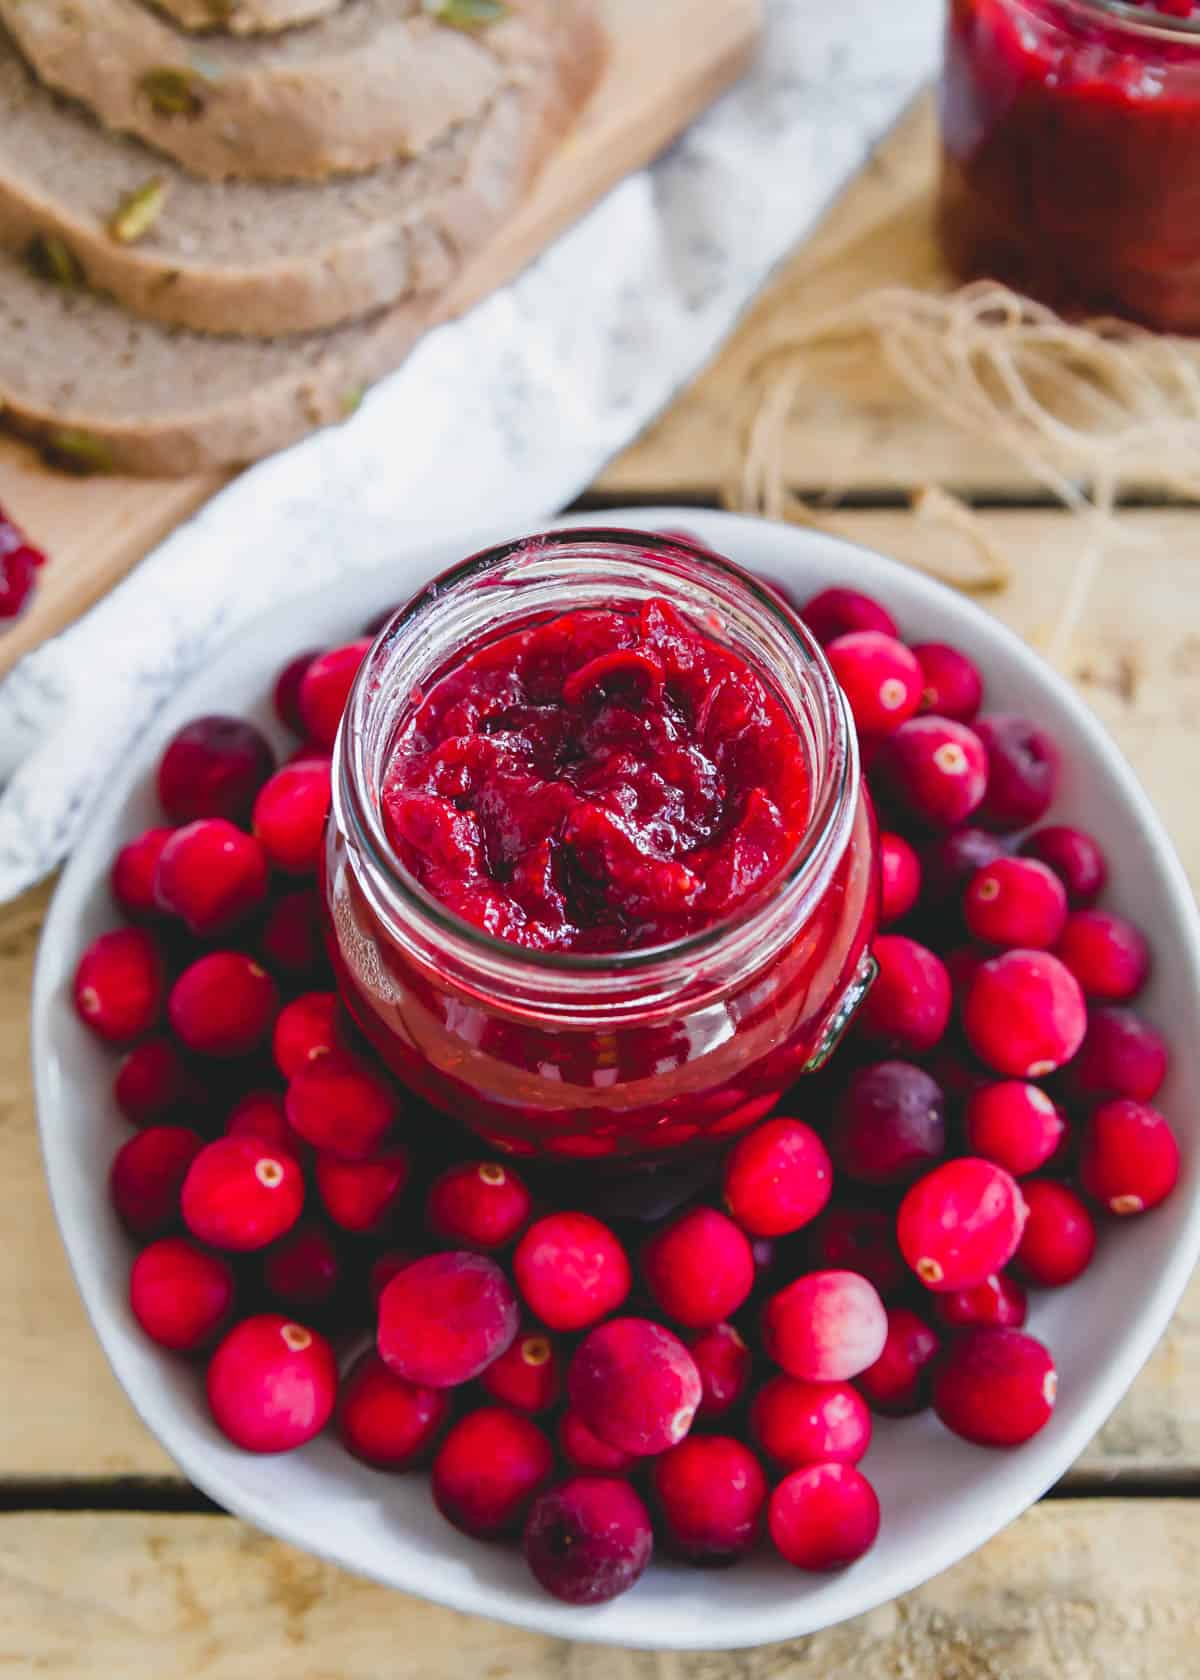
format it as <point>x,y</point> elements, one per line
<point>527,1376</point>
<point>223,1005</point>
<point>588,1540</point>
<point>698,1268</point>
<point>325,688</point>
<point>19,563</point>
<point>1075,858</point>
<point>272,1384</point>
<point>889,1125</point>
<point>960,1223</point>
<point>571,1270</point>
<point>635,1385</point>
<point>934,769</point>
<point>340,1107</point>
<point>1024,1014</point>
<point>859,1239</point>
<point>302,1272</point>
<point>880,677</point>
<point>951,860</point>
<point>1059,1238</point>
<point>825,1326</point>
<point>291,939</point>
<point>583,1449</point>
<point>147,1175</point>
<point>153,1082</point>
<point>1022,771</point>
<point>996,1388</point>
<point>898,1384</point>
<point>839,612</point>
<point>383,1269</point>
<point>477,1204</point>
<point>119,985</point>
<point>180,1295</point>
<point>1014,1124</point>
<point>213,767</point>
<point>1122,1056</point>
<point>211,875</point>
<point>361,1196</point>
<point>488,1469</point>
<point>386,1421</point>
<point>823,1517</point>
<point>241,1194</point>
<point>952,1067</point>
<point>133,870</point>
<point>907,1009</point>
<point>259,1114</point>
<point>795,1423</point>
<point>778,1177</point>
<point>951,685</point>
<point>899,878</point>
<point>305,1029</point>
<point>1129,1161</point>
<point>1016,902</point>
<point>289,816</point>
<point>444,1319</point>
<point>1107,955</point>
<point>999,1303</point>
<point>286,694</point>
<point>710,1492</point>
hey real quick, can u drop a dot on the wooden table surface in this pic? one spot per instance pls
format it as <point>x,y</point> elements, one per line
<point>109,1564</point>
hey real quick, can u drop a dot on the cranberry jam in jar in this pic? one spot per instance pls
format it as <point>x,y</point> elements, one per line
<point>1071,153</point>
<point>600,869</point>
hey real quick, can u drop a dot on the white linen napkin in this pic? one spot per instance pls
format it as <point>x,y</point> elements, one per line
<point>504,416</point>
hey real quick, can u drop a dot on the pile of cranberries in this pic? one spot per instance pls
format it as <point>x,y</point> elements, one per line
<point>597,1386</point>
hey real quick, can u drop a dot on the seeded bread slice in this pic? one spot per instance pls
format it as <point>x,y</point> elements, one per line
<point>375,81</point>
<point>245,17</point>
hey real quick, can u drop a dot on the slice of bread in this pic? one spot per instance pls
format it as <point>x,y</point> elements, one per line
<point>245,17</point>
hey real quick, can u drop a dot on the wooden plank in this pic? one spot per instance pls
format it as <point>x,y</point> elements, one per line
<point>1069,1592</point>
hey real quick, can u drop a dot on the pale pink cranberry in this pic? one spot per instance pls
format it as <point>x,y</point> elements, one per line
<point>1016,902</point>
<point>778,1177</point>
<point>340,1107</point>
<point>698,1268</point>
<point>1022,771</point>
<point>859,1239</point>
<point>289,816</point>
<point>950,861</point>
<point>1059,1238</point>
<point>444,1319</point>
<point>291,939</point>
<point>935,769</point>
<point>1129,1161</point>
<point>571,1270</point>
<point>489,1468</point>
<point>635,1385</point>
<point>899,1382</point>
<point>241,1194</point>
<point>907,1008</point>
<point>285,696</point>
<point>1105,952</point>
<point>180,1295</point>
<point>588,1540</point>
<point>889,1124</point>
<point>118,987</point>
<point>272,1384</point>
<point>951,685</point>
<point>583,1449</point>
<point>132,878</point>
<point>1075,858</point>
<point>211,875</point>
<point>710,1493</point>
<point>1014,1124</point>
<point>1122,1056</point>
<point>223,1005</point>
<point>154,1083</point>
<point>825,1326</point>
<point>147,1175</point>
<point>213,767</point>
<point>385,1421</point>
<point>960,1223</point>
<point>996,1388</point>
<point>880,678</point>
<point>1024,1014</point>
<point>899,878</point>
<point>325,688</point>
<point>302,1272</point>
<point>724,1363</point>
<point>361,1196</point>
<point>838,612</point>
<point>478,1204</point>
<point>304,1029</point>
<point>794,1423</point>
<point>999,1303</point>
<point>823,1517</point>
<point>527,1376</point>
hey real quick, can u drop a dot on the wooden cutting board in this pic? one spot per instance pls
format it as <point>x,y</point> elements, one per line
<point>669,60</point>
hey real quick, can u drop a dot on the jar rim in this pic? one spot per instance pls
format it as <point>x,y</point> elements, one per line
<point>1143,22</point>
<point>832,808</point>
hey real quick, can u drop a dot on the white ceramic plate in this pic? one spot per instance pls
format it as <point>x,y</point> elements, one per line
<point>940,1497</point>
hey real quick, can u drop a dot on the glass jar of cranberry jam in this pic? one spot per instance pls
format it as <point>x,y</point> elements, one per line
<point>601,871</point>
<point>1071,150</point>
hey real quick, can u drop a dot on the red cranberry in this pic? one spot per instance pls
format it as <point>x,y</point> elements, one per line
<point>286,693</point>
<point>153,1081</point>
<point>527,1376</point>
<point>1024,1014</point>
<point>133,870</point>
<point>571,1270</point>
<point>723,1361</point>
<point>1122,1056</point>
<point>1130,1160</point>
<point>1022,771</point>
<point>777,1178</point>
<point>444,1319</point>
<point>588,1540</point>
<point>291,939</point>
<point>823,1517</point>
<point>960,1223</point>
<point>1106,954</point>
<point>241,1194</point>
<point>260,1114</point>
<point>951,685</point>
<point>272,1384</point>
<point>383,1269</point>
<point>995,1387</point>
<point>898,1383</point>
<point>934,769</point>
<point>583,1449</point>
<point>360,1196</point>
<point>180,1295</point>
<point>147,1176</point>
<point>958,1074</point>
<point>889,1125</point>
<point>1074,857</point>
<point>952,859</point>
<point>223,1005</point>
<point>385,1421</point>
<point>488,1469</point>
<point>796,1423</point>
<point>635,1385</point>
<point>478,1204</point>
<point>19,564</point>
<point>305,1029</point>
<point>999,1303</point>
<point>1016,902</point>
<point>899,878</point>
<point>859,1239</point>
<point>710,1492</point>
<point>699,1268</point>
<point>289,816</point>
<point>839,612</point>
<point>907,1008</point>
<point>119,985</point>
<point>213,767</point>
<point>1059,1238</point>
<point>880,677</point>
<point>1014,1124</point>
<point>340,1108</point>
<point>303,1271</point>
<point>211,876</point>
<point>825,1327</point>
<point>325,688</point>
